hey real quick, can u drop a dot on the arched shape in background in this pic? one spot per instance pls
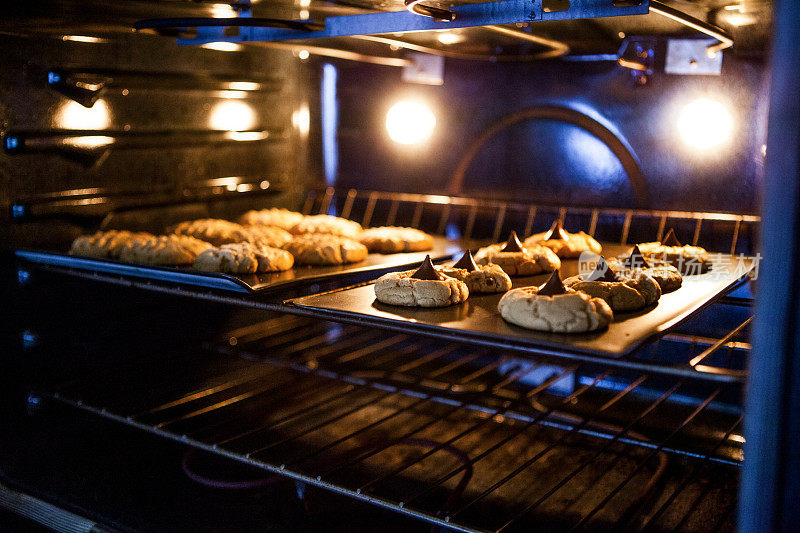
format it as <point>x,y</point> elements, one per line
<point>619,147</point>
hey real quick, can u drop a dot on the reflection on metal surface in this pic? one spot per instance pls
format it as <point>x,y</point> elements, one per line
<point>83,39</point>
<point>705,123</point>
<point>231,95</point>
<point>222,11</point>
<point>89,142</point>
<point>329,108</point>
<point>222,46</point>
<point>73,116</point>
<point>244,86</point>
<point>339,54</point>
<point>301,119</point>
<point>437,14</point>
<point>247,135</point>
<point>449,38</point>
<point>231,115</point>
<point>558,49</point>
<point>725,41</point>
<point>410,122</point>
<point>588,121</point>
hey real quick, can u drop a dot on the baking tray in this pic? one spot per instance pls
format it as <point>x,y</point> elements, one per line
<point>478,319</point>
<point>245,283</point>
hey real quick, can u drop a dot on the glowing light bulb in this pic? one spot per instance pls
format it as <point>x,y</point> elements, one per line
<point>410,122</point>
<point>303,55</point>
<point>705,123</point>
<point>221,46</point>
<point>73,116</point>
<point>232,115</point>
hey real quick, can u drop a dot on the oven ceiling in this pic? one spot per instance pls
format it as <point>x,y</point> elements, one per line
<point>747,21</point>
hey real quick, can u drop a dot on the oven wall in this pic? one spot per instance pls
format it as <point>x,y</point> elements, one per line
<point>157,134</point>
<point>550,162</point>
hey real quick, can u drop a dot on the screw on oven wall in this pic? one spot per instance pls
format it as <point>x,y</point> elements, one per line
<point>33,403</point>
<point>23,276</point>
<point>29,339</point>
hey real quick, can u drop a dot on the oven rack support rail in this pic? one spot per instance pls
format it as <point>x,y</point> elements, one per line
<point>305,373</point>
<point>460,16</point>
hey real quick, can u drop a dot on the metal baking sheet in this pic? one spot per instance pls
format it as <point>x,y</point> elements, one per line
<point>479,320</point>
<point>246,283</point>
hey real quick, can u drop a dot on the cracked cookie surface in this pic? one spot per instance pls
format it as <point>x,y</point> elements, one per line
<point>163,250</point>
<point>320,249</point>
<point>564,243</point>
<point>274,216</point>
<point>400,288</point>
<point>628,294</point>
<point>570,312</point>
<point>243,258</point>
<point>105,244</point>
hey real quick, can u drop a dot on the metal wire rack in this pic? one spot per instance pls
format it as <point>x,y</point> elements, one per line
<point>467,438</point>
<point>475,218</point>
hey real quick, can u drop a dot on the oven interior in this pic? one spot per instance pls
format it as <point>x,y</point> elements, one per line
<point>136,404</point>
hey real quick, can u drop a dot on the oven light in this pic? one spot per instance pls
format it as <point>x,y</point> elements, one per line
<point>303,54</point>
<point>221,46</point>
<point>705,123</point>
<point>304,14</point>
<point>410,122</point>
<point>73,116</point>
<point>232,115</point>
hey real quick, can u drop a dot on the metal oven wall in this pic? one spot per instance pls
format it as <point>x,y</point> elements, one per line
<point>551,162</point>
<point>158,132</point>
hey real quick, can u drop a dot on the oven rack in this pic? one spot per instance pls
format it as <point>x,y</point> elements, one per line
<point>475,220</point>
<point>399,421</point>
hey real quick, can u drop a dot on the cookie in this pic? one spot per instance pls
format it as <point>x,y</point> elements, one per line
<point>622,291</point>
<point>268,235</point>
<point>325,249</point>
<point>518,260</point>
<point>228,258</point>
<point>163,250</point>
<point>213,230</point>
<point>243,258</point>
<point>104,244</point>
<point>392,240</point>
<point>479,278</point>
<point>564,243</point>
<point>554,307</point>
<point>667,276</point>
<point>687,259</point>
<point>328,225</point>
<point>424,287</point>
<point>277,217</point>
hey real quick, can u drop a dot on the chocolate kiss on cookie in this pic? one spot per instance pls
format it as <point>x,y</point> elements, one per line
<point>602,272</point>
<point>427,271</point>
<point>670,239</point>
<point>466,262</point>
<point>556,231</point>
<point>553,286</point>
<point>512,244</point>
<point>636,259</point>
